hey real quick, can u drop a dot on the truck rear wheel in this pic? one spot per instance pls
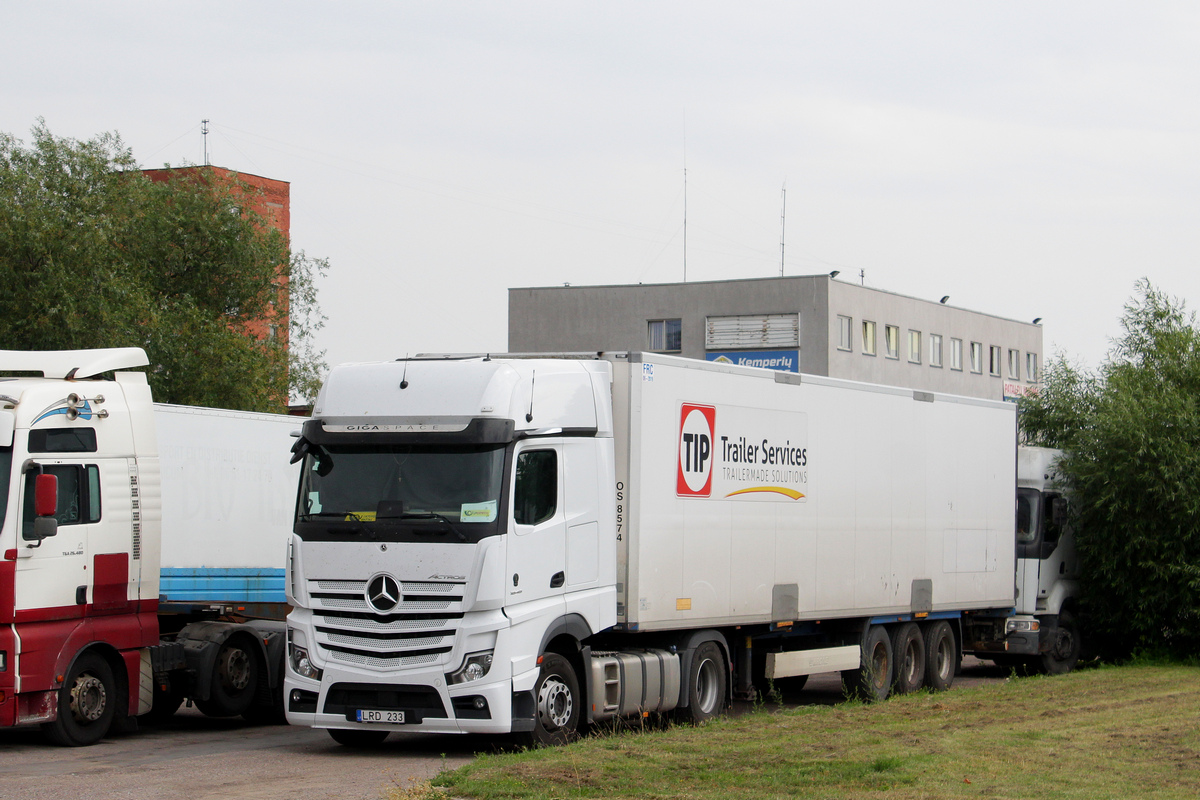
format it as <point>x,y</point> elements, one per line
<point>872,681</point>
<point>941,655</point>
<point>87,703</point>
<point>908,650</point>
<point>234,680</point>
<point>706,684</point>
<point>559,703</point>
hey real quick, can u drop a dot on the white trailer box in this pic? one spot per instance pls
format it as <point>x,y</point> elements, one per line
<point>756,496</point>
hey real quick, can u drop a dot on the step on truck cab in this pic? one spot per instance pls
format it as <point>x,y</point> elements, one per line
<point>496,544</point>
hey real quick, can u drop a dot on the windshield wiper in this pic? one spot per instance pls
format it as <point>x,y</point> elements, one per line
<point>435,515</point>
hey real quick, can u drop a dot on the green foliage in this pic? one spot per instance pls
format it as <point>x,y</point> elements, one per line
<point>1132,433</point>
<point>95,254</point>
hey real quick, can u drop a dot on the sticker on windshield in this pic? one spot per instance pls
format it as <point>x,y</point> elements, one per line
<point>478,512</point>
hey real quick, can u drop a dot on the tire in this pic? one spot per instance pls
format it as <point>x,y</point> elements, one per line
<point>941,655</point>
<point>908,649</point>
<point>87,703</point>
<point>1063,654</point>
<point>558,703</point>
<point>872,681</point>
<point>707,685</point>
<point>234,680</point>
<point>363,739</point>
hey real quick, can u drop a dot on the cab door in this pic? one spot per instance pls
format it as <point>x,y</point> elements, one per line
<point>537,534</point>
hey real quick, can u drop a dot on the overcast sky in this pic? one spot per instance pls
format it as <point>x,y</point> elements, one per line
<point>1029,159</point>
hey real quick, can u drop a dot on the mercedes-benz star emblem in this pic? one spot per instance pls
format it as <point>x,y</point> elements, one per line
<point>383,593</point>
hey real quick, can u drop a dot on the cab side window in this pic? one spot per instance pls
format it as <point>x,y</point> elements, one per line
<point>78,496</point>
<point>536,497</point>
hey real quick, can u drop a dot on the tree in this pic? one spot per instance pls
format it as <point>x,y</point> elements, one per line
<point>95,254</point>
<point>1132,436</point>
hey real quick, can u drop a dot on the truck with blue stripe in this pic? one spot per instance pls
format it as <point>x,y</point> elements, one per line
<point>141,549</point>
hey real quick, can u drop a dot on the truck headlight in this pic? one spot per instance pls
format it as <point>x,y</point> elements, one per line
<point>1019,625</point>
<point>474,667</point>
<point>298,656</point>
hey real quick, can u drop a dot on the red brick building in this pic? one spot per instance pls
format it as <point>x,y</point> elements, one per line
<point>270,199</point>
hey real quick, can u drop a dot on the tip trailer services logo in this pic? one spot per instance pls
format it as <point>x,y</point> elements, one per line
<point>697,431</point>
<point>758,454</point>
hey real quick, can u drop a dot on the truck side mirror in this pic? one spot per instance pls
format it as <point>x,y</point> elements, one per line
<point>45,506</point>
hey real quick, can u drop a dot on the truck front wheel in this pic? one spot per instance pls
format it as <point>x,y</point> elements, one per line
<point>1064,649</point>
<point>87,702</point>
<point>559,703</point>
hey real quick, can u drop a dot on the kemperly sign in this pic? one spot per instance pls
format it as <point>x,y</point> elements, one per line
<point>782,360</point>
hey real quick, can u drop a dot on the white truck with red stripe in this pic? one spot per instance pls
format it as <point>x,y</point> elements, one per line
<point>497,544</point>
<point>137,541</point>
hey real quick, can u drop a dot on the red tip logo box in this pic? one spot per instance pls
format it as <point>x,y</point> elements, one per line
<point>697,433</point>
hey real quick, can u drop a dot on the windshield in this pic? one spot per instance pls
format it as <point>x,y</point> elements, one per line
<point>407,487</point>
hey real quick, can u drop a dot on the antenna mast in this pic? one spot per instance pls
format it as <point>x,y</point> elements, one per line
<point>782,227</point>
<point>685,218</point>
<point>204,132</point>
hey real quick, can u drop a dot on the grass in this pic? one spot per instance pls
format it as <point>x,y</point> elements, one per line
<point>1116,732</point>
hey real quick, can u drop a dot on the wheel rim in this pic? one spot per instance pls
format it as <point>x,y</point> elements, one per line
<point>234,668</point>
<point>879,666</point>
<point>555,703</point>
<point>88,698</point>
<point>908,663</point>
<point>944,657</point>
<point>708,680</point>
<point>1064,645</point>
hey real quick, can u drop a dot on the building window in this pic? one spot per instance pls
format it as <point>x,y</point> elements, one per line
<point>752,331</point>
<point>994,361</point>
<point>976,357</point>
<point>845,333</point>
<point>666,335</point>
<point>1014,364</point>
<point>1031,367</point>
<point>935,349</point>
<point>914,347</point>
<point>956,354</point>
<point>891,340</point>
<point>868,338</point>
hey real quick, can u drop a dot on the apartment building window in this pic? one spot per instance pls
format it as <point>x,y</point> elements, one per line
<point>914,347</point>
<point>891,340</point>
<point>935,350</point>
<point>956,354</point>
<point>994,360</point>
<point>845,333</point>
<point>1014,364</point>
<point>868,336</point>
<point>976,356</point>
<point>666,335</point>
<point>1031,367</point>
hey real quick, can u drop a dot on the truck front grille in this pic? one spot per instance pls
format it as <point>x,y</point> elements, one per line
<point>419,631</point>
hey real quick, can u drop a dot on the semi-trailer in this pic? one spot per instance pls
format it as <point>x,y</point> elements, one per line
<point>530,544</point>
<point>142,549</point>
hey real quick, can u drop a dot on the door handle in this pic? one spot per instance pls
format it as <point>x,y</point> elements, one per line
<point>81,595</point>
<point>558,580</point>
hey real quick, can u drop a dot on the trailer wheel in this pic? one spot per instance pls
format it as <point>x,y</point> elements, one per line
<point>706,684</point>
<point>1064,650</point>
<point>234,680</point>
<point>908,649</point>
<point>87,703</point>
<point>366,738</point>
<point>872,681</point>
<point>941,656</point>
